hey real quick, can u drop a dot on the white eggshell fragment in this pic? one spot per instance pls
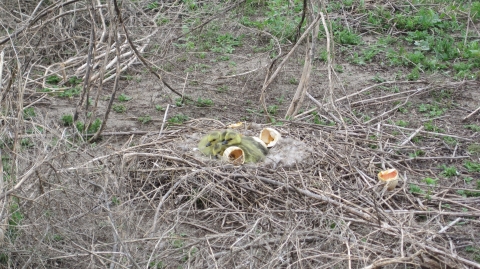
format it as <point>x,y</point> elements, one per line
<point>234,155</point>
<point>390,177</point>
<point>270,136</point>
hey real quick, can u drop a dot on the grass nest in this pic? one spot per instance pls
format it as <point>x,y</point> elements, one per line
<point>160,203</point>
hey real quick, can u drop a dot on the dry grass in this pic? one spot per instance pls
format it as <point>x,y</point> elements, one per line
<point>148,200</point>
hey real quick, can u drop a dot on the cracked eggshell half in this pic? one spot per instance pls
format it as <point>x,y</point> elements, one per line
<point>234,155</point>
<point>270,136</point>
<point>390,177</point>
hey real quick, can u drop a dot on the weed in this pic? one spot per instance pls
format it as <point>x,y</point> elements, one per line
<point>53,79</point>
<point>473,127</point>
<point>415,189</point>
<point>401,123</point>
<point>472,166</point>
<point>468,179</point>
<point>223,88</point>
<point>119,108</point>
<point>450,140</point>
<point>293,81</point>
<point>144,119</point>
<point>346,37</point>
<point>272,109</point>
<point>73,81</point>
<point>67,119</point>
<point>152,5</point>
<point>157,265</point>
<point>26,143</point>
<point>124,98</point>
<point>473,148</point>
<point>226,43</point>
<point>432,110</point>
<point>178,119</point>
<point>414,75</point>
<point>378,79</point>
<point>95,126</point>
<point>417,153</point>
<point>430,127</point>
<point>159,108</point>
<point>448,171</point>
<point>70,93</point>
<point>281,99</point>
<point>28,113</point>
<point>204,102</point>
<point>430,181</point>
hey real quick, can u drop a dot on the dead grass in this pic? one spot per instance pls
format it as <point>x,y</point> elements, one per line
<point>146,199</point>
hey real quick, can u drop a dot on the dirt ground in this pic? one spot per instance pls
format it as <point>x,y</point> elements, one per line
<point>143,196</point>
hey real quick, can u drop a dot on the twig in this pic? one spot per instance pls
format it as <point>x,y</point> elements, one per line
<point>471,114</point>
<point>163,122</point>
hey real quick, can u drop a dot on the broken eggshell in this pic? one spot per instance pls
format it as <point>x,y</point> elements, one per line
<point>270,136</point>
<point>390,177</point>
<point>234,155</point>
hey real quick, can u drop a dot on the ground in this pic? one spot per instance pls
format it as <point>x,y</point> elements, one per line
<point>395,85</point>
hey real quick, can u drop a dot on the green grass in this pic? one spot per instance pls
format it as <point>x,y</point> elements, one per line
<point>204,102</point>
<point>472,166</point>
<point>448,171</point>
<point>124,98</point>
<point>119,108</point>
<point>144,119</point>
<point>53,79</point>
<point>70,93</point>
<point>67,119</point>
<point>473,127</point>
<point>29,113</point>
<point>178,119</point>
<point>415,189</point>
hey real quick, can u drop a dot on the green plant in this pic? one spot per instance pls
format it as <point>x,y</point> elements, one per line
<point>272,109</point>
<point>53,79</point>
<point>204,102</point>
<point>472,166</point>
<point>430,181</point>
<point>26,143</point>
<point>432,110</point>
<point>29,113</point>
<point>448,171</point>
<point>70,93</point>
<point>474,148</point>
<point>119,108</point>
<point>414,75</point>
<point>152,5</point>
<point>346,37</point>
<point>416,189</point>
<point>293,81</point>
<point>416,153</point>
<point>450,140</point>
<point>401,123</point>
<point>144,119</point>
<point>124,98</point>
<point>223,88</point>
<point>159,108</point>
<point>73,81</point>
<point>67,119</point>
<point>378,79</point>
<point>178,119</point>
<point>429,126</point>
<point>473,127</point>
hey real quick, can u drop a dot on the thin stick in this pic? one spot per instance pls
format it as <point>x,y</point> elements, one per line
<point>471,114</point>
<point>164,120</point>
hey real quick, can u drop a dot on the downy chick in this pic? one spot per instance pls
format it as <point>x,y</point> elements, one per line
<point>207,142</point>
<point>254,151</point>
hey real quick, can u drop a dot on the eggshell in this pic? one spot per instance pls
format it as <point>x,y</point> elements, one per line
<point>390,177</point>
<point>234,155</point>
<point>270,136</point>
